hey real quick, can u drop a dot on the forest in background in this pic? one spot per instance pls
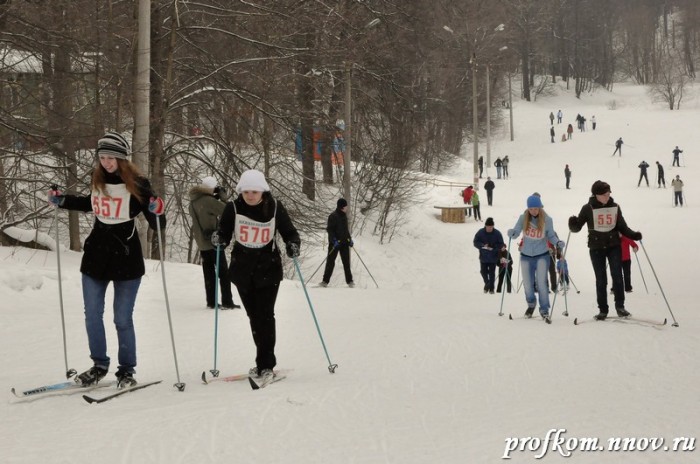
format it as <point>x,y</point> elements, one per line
<point>238,84</point>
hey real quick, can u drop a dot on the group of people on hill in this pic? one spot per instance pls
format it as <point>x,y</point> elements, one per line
<point>608,237</point>
<point>569,131</point>
<point>676,183</point>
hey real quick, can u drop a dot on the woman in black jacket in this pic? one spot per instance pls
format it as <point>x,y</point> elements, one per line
<point>112,252</point>
<point>605,224</point>
<point>253,219</point>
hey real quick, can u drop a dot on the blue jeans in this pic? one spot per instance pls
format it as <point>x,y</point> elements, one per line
<point>124,298</point>
<point>536,267</point>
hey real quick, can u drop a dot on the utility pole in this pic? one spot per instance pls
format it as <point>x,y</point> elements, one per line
<point>475,123</point>
<point>348,137</point>
<point>142,88</point>
<point>488,118</point>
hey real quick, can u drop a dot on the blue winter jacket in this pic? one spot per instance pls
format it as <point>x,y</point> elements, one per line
<point>535,240</point>
<point>493,241</point>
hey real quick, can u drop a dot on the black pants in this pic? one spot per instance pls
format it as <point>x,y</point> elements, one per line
<point>552,273</point>
<point>676,161</point>
<point>627,275</point>
<point>259,305</point>
<point>662,180</point>
<point>209,271</point>
<point>488,273</point>
<point>344,251</point>
<point>678,197</point>
<point>504,274</point>
<point>643,175</point>
<point>477,212</point>
<point>489,197</point>
<point>568,179</point>
<point>613,256</point>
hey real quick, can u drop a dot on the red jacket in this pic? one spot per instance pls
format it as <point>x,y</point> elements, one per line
<point>467,194</point>
<point>625,244</point>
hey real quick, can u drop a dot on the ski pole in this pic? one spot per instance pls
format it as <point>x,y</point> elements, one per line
<point>574,284</point>
<point>331,367</point>
<point>69,372</point>
<point>503,290</point>
<point>641,273</point>
<point>554,300</point>
<point>363,263</point>
<point>675,323</point>
<point>179,385</point>
<point>319,266</point>
<point>215,371</point>
<point>562,282</point>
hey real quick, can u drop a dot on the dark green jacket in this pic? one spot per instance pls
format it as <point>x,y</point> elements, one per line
<point>205,211</point>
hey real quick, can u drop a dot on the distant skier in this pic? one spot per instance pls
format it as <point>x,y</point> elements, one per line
<point>551,118</point>
<point>677,185</point>
<point>559,116</point>
<point>551,133</point>
<point>505,163</point>
<point>567,175</point>
<point>480,161</point>
<point>593,123</point>
<point>569,131</point>
<point>618,146</point>
<point>489,186</point>
<point>676,156</point>
<point>499,164</point>
<point>643,173</point>
<point>660,178</point>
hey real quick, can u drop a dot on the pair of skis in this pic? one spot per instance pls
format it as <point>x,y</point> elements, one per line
<point>627,319</point>
<point>255,383</point>
<point>69,388</point>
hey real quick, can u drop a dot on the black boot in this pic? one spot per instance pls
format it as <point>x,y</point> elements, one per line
<point>91,376</point>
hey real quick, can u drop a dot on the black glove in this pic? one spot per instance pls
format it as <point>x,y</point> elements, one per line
<point>219,190</point>
<point>636,236</point>
<point>573,222</point>
<point>216,239</point>
<point>293,250</point>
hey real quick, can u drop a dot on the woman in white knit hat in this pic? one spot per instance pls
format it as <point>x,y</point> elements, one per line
<point>253,219</point>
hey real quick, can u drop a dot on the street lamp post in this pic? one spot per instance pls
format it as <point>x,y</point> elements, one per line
<point>488,118</point>
<point>510,106</point>
<point>475,123</point>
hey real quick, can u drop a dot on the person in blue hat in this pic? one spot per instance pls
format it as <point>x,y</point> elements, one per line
<point>537,229</point>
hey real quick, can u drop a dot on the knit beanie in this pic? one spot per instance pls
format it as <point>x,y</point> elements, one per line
<point>489,222</point>
<point>209,182</point>
<point>534,201</point>
<point>113,144</point>
<point>252,180</point>
<point>342,203</point>
<point>600,188</point>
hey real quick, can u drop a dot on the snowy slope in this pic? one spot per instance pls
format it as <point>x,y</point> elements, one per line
<point>428,371</point>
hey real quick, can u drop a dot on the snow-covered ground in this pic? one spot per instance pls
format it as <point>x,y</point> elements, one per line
<point>428,371</point>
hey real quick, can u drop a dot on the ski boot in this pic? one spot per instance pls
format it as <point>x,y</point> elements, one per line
<point>91,376</point>
<point>125,378</point>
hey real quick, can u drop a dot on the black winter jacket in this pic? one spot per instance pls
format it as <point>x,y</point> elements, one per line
<point>113,251</point>
<point>605,223</point>
<point>257,267</point>
<point>338,228</point>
